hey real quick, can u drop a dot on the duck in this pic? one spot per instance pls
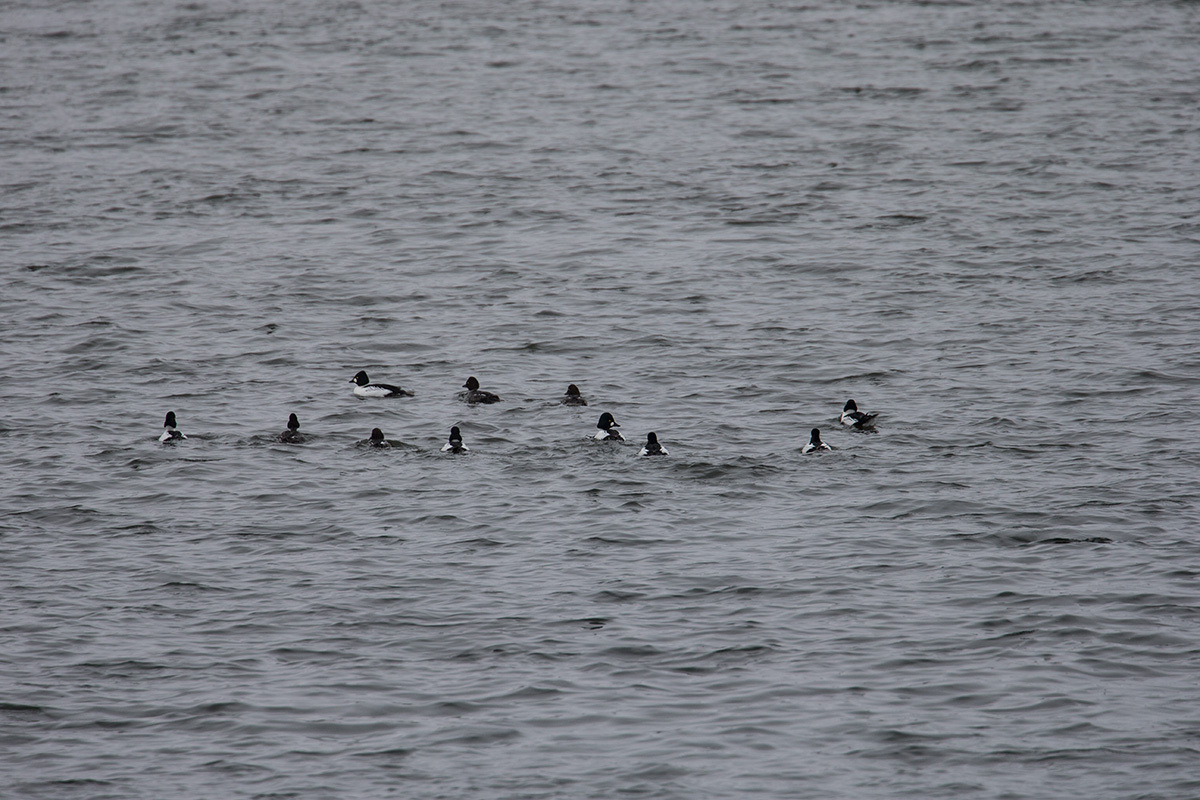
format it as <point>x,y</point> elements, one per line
<point>857,419</point>
<point>364,388</point>
<point>607,429</point>
<point>815,443</point>
<point>292,435</point>
<point>170,432</point>
<point>652,447</point>
<point>455,444</point>
<point>376,439</point>
<point>573,397</point>
<point>474,394</point>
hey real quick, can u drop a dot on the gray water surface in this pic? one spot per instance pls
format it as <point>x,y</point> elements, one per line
<point>721,220</point>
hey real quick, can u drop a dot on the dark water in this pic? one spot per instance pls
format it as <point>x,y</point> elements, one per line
<point>721,220</point>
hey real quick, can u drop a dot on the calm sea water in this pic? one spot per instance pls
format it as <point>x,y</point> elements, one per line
<point>721,220</point>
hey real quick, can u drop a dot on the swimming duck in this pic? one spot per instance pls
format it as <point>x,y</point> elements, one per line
<point>364,388</point>
<point>455,444</point>
<point>856,419</point>
<point>573,397</point>
<point>170,433</point>
<point>815,443</point>
<point>376,440</point>
<point>652,447</point>
<point>607,429</point>
<point>292,435</point>
<point>474,394</point>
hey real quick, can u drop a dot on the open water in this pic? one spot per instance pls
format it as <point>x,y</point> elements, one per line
<point>722,220</point>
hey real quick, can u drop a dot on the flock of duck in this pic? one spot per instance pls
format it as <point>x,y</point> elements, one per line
<point>606,427</point>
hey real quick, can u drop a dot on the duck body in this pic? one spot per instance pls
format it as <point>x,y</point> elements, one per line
<point>455,443</point>
<point>814,443</point>
<point>363,387</point>
<point>652,446</point>
<point>573,397</point>
<point>474,394</point>
<point>606,429</point>
<point>171,433</point>
<point>854,418</point>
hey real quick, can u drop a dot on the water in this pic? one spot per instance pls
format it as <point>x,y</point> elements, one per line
<point>721,220</point>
